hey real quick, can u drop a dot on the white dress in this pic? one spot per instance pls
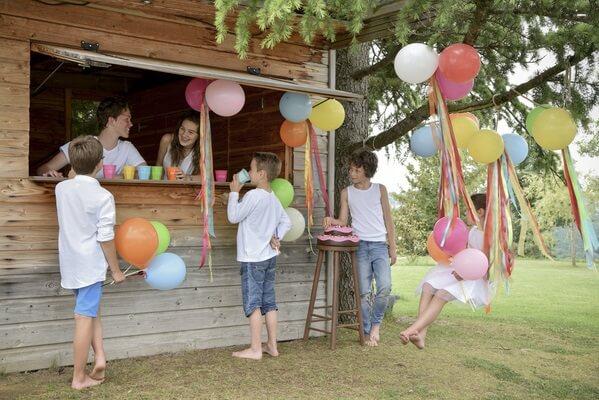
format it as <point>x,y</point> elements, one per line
<point>186,165</point>
<point>475,292</point>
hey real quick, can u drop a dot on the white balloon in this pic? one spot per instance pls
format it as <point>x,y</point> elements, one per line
<point>298,224</point>
<point>416,62</point>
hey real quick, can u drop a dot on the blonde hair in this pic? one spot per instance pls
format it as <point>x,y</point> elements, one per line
<point>85,152</point>
<point>268,162</point>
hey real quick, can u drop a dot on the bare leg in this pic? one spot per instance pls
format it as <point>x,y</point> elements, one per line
<point>99,355</point>
<point>425,298</point>
<point>429,315</point>
<point>254,352</point>
<point>271,328</point>
<point>81,343</point>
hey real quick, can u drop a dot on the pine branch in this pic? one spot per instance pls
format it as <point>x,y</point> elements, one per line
<point>481,14</point>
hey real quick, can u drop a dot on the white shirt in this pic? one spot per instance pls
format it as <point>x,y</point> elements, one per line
<point>124,153</point>
<point>260,216</point>
<point>367,213</point>
<point>186,165</point>
<point>86,217</point>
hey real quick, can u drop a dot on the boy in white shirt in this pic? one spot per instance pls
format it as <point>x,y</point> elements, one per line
<point>86,218</point>
<point>262,222</point>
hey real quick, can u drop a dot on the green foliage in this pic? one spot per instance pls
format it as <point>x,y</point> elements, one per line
<point>83,118</point>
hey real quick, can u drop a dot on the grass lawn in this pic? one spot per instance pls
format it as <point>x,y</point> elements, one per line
<point>540,342</point>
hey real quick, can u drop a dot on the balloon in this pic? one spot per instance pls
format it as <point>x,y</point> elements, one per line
<point>486,146</point>
<point>295,107</point>
<point>452,90</point>
<point>422,142</point>
<point>435,251</point>
<point>459,63</point>
<point>283,190</point>
<point>298,224</point>
<point>166,271</point>
<point>294,134</point>
<point>470,264</point>
<point>164,237</point>
<point>532,116</point>
<point>472,117</point>
<point>554,129</point>
<point>464,128</point>
<point>194,92</point>
<point>225,98</point>
<point>456,239</point>
<point>416,62</point>
<point>515,147</point>
<point>328,115</point>
<point>136,241</point>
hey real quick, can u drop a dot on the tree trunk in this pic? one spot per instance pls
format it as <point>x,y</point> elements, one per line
<point>354,129</point>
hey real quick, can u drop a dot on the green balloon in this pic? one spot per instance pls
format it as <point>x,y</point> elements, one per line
<point>532,116</point>
<point>283,190</point>
<point>164,237</point>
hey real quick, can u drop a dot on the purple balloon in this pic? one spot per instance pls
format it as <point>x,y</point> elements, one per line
<point>457,236</point>
<point>470,264</point>
<point>452,90</point>
<point>194,92</point>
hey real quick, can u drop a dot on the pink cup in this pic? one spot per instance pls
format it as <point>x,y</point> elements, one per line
<point>220,175</point>
<point>109,170</point>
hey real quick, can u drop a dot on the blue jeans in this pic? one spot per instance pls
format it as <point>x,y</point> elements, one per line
<point>373,262</point>
<point>258,286</point>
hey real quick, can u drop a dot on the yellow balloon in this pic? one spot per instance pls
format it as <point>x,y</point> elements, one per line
<point>554,129</point>
<point>486,146</point>
<point>464,127</point>
<point>327,115</point>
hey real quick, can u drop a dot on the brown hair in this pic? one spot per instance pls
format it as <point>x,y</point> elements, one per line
<point>178,151</point>
<point>110,107</point>
<point>268,162</point>
<point>366,159</point>
<point>479,200</point>
<point>85,152</point>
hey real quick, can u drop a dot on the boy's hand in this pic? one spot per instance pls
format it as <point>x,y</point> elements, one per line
<point>224,198</point>
<point>235,186</point>
<point>392,255</point>
<point>118,276</point>
<point>275,243</point>
<point>53,174</point>
<point>457,276</point>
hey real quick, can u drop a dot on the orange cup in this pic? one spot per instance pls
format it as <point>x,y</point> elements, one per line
<point>171,173</point>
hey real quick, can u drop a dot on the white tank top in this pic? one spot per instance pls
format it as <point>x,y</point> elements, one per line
<point>185,166</point>
<point>367,213</point>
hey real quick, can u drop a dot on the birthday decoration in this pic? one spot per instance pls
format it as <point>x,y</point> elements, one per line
<point>164,237</point>
<point>451,235</point>
<point>283,190</point>
<point>327,115</point>
<point>532,116</point>
<point>464,127</point>
<point>294,134</point>
<point>165,272</point>
<point>298,225</point>
<point>225,98</point>
<point>436,252</point>
<point>486,146</point>
<point>453,90</point>
<point>470,264</point>
<point>295,107</point>
<point>416,63</point>
<point>516,147</point>
<point>553,129</point>
<point>136,241</point>
<point>459,63</point>
<point>195,91</point>
<point>422,142</point>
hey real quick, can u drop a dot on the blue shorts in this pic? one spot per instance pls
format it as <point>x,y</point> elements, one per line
<point>258,286</point>
<point>87,300</point>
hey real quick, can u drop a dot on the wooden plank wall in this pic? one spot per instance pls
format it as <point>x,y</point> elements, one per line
<point>35,313</point>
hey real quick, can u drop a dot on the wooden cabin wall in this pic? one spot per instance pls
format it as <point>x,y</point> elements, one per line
<point>35,313</point>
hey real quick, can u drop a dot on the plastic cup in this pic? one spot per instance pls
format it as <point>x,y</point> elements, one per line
<point>129,172</point>
<point>171,173</point>
<point>243,176</point>
<point>156,173</point>
<point>143,172</point>
<point>109,170</point>
<point>220,175</point>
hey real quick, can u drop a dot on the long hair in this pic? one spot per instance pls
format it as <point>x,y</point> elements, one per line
<point>178,151</point>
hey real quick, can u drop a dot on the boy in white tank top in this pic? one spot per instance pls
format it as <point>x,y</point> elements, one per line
<point>368,204</point>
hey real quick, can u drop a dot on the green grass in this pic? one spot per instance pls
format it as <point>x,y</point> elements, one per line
<point>540,342</point>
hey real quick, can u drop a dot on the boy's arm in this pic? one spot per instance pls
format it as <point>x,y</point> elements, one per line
<point>343,212</point>
<point>237,210</point>
<point>52,167</point>
<point>389,224</point>
<point>109,250</point>
<point>284,224</point>
<point>105,225</point>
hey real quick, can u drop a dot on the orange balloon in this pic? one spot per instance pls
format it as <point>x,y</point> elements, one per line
<point>136,241</point>
<point>435,251</point>
<point>294,134</point>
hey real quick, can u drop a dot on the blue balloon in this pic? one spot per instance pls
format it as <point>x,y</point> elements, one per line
<point>166,271</point>
<point>422,143</point>
<point>516,147</point>
<point>295,107</point>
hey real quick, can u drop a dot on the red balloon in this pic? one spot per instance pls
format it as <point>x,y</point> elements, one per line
<point>459,63</point>
<point>294,134</point>
<point>194,92</point>
<point>136,241</point>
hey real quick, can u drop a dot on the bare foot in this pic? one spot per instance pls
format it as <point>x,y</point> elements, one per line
<point>270,350</point>
<point>85,383</point>
<point>98,373</point>
<point>417,340</point>
<point>370,341</point>
<point>375,333</point>
<point>405,335</point>
<point>248,353</point>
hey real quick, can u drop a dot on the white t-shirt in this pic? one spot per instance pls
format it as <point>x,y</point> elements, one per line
<point>260,216</point>
<point>367,213</point>
<point>124,153</point>
<point>86,217</point>
<point>186,165</point>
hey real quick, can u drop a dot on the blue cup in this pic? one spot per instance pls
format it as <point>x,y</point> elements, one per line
<point>143,172</point>
<point>243,176</point>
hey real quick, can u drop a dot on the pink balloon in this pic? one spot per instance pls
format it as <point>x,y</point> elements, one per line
<point>194,92</point>
<point>470,264</point>
<point>452,90</point>
<point>225,98</point>
<point>457,237</point>
<point>459,62</point>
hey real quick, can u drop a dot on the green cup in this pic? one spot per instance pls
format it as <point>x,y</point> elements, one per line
<point>156,173</point>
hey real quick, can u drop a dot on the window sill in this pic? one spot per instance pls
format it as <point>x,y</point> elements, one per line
<point>134,182</point>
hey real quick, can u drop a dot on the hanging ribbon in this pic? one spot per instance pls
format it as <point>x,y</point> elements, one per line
<point>309,184</point>
<point>321,178</point>
<point>579,210</point>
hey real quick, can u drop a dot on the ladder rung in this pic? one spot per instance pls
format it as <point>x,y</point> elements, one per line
<point>320,330</point>
<point>347,326</point>
<point>320,319</point>
<point>321,316</point>
<point>323,307</point>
